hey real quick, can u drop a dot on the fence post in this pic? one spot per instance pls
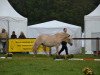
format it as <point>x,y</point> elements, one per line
<point>97,46</point>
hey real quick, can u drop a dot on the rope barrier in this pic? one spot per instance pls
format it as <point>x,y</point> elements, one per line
<point>85,59</point>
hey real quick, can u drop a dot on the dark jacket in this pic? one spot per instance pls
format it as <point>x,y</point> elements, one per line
<point>64,43</point>
<point>22,37</point>
<point>13,36</point>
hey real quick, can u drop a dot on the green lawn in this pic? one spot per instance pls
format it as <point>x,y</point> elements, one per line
<point>25,64</point>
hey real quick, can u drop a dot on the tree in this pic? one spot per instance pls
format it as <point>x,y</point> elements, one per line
<point>70,11</point>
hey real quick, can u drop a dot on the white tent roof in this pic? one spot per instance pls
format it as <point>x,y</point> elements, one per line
<point>92,27</point>
<point>96,12</point>
<point>56,25</point>
<point>53,24</point>
<point>11,20</point>
<point>94,15</point>
<point>6,10</point>
<point>52,27</point>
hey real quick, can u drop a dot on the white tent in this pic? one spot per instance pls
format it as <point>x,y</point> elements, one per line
<point>11,20</point>
<point>53,27</point>
<point>92,28</point>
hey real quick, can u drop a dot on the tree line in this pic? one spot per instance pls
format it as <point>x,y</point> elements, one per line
<point>69,11</point>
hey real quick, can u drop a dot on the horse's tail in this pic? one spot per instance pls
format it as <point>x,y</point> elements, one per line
<point>36,45</point>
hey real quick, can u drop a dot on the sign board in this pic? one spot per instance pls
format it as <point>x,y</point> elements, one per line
<point>23,45</point>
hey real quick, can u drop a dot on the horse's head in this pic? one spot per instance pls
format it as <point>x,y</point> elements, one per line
<point>69,41</point>
<point>66,37</point>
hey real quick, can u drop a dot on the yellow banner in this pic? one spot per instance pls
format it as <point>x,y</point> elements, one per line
<point>23,45</point>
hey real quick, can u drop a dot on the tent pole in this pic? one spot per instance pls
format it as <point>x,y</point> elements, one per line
<point>8,37</point>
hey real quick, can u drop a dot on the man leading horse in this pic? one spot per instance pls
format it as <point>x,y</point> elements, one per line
<point>51,41</point>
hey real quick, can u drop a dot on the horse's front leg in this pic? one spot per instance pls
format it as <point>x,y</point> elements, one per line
<point>57,49</point>
<point>50,52</point>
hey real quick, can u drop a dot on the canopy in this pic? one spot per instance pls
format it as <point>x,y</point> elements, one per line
<point>94,15</point>
<point>92,28</point>
<point>11,20</point>
<point>55,26</point>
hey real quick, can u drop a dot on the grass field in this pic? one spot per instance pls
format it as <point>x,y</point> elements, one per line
<point>25,64</point>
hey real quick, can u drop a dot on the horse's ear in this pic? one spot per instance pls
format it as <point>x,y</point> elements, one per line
<point>68,35</point>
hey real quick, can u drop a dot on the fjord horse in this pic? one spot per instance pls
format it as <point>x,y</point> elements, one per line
<point>51,41</point>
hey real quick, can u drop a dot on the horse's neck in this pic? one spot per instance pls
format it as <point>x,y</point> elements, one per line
<point>58,39</point>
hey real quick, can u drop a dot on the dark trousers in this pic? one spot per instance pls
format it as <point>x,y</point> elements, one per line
<point>62,49</point>
<point>4,47</point>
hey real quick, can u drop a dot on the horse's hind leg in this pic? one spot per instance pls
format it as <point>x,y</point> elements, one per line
<point>57,49</point>
<point>44,48</point>
<point>35,47</point>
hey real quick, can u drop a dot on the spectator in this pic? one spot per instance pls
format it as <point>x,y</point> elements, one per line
<point>3,37</point>
<point>22,36</point>
<point>13,36</point>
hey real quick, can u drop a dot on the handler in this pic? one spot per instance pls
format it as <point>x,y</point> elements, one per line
<point>64,44</point>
